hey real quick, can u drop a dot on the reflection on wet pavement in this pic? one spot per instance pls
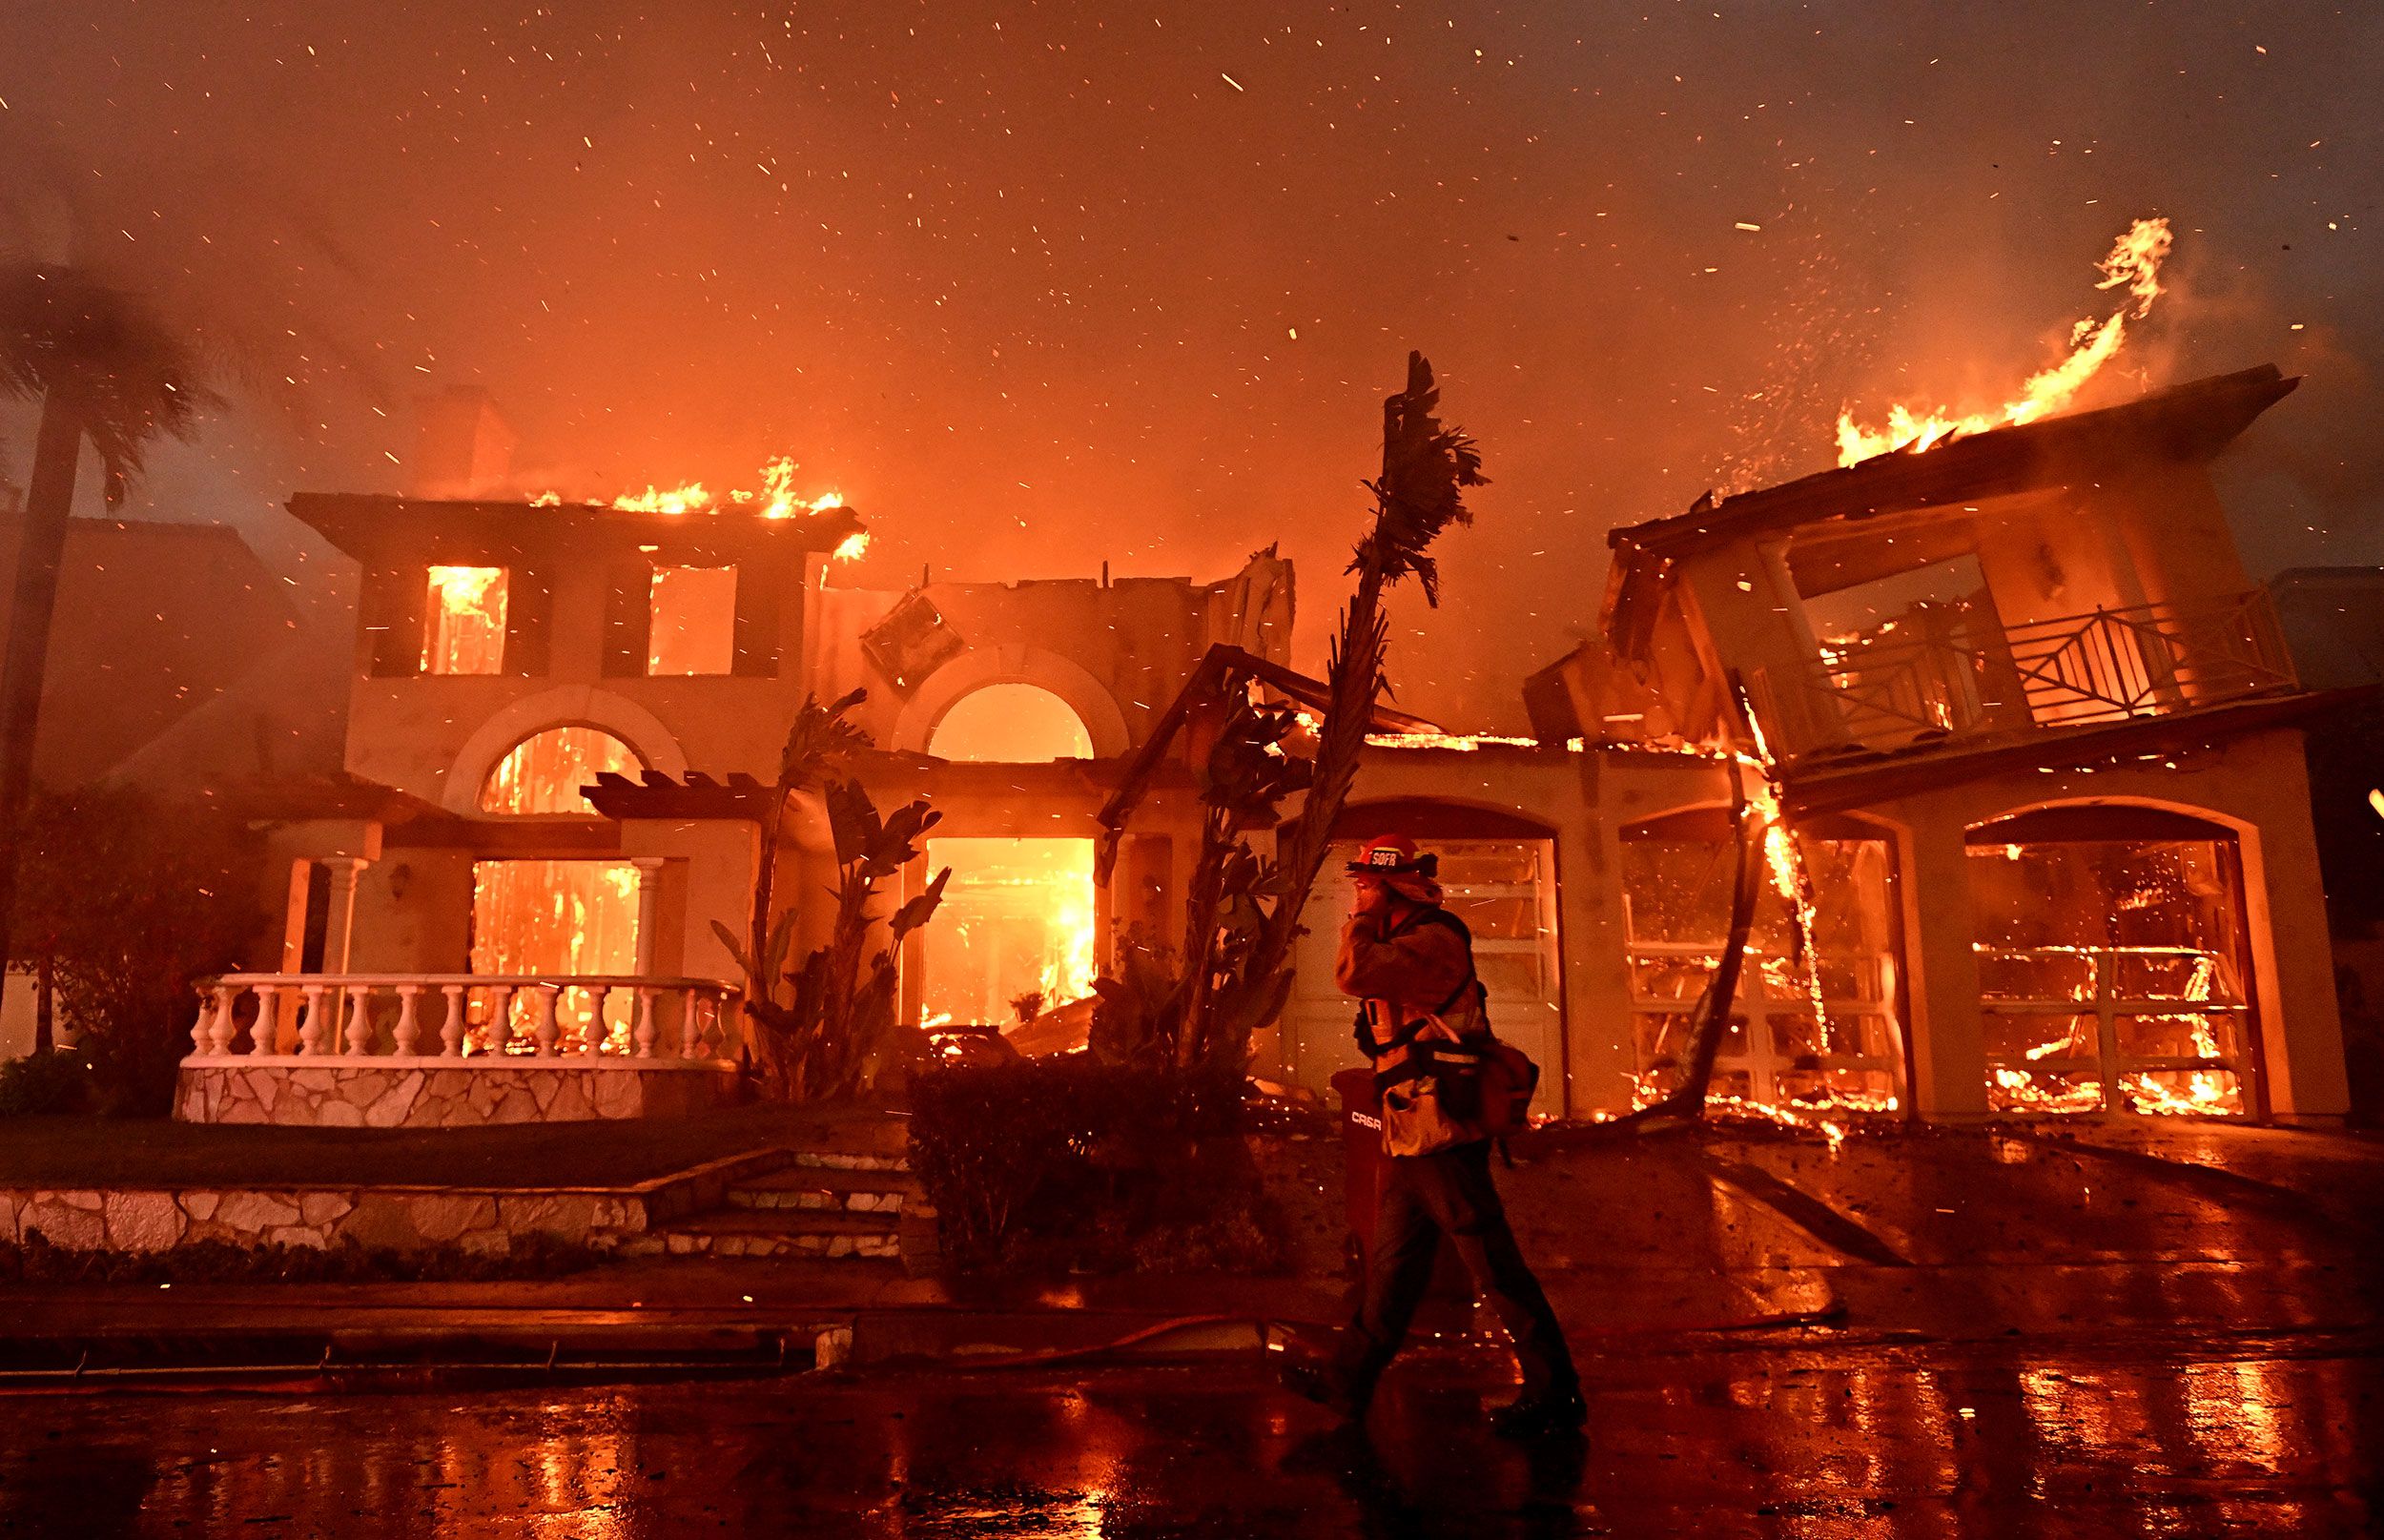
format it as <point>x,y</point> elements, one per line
<point>1989,1440</point>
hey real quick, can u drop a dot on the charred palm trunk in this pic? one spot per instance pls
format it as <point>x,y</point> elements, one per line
<point>1188,1032</point>
<point>45,1002</point>
<point>1687,1100</point>
<point>48,504</point>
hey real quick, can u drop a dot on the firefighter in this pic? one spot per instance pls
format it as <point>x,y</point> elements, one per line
<point>1411,963</point>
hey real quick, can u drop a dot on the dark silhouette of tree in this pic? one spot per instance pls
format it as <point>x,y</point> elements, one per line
<point>826,1026</point>
<point>106,370</point>
<point>1427,466</point>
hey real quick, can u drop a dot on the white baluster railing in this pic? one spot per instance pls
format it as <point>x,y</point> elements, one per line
<point>387,1015</point>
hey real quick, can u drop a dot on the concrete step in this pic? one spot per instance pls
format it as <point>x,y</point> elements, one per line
<point>743,1232</point>
<point>826,1189</point>
<point>853,1160</point>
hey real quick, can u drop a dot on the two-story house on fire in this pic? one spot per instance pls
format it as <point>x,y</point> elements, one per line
<point>2033,730</point>
<point>563,725</point>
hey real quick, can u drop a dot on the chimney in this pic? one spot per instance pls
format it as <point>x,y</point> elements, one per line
<point>462,449</point>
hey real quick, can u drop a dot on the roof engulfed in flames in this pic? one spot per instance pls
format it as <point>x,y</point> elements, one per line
<point>777,500</point>
<point>2134,265</point>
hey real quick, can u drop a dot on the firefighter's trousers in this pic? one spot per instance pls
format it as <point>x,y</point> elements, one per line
<point>1450,1192</point>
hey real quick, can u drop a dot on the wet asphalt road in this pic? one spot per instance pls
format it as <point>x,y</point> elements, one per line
<point>2160,1436</point>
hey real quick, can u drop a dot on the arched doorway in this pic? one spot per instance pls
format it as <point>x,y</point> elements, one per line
<point>1015,938</point>
<point>555,916</point>
<point>2114,974</point>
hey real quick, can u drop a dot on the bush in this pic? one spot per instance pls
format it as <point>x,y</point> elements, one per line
<point>56,1081</point>
<point>1087,1165</point>
<point>129,900</point>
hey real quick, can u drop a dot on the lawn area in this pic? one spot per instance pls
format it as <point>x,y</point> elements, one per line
<point>93,1151</point>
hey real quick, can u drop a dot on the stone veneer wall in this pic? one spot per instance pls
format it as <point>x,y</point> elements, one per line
<point>395,1218</point>
<point>389,1092</point>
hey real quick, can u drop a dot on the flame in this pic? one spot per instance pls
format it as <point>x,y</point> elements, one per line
<point>777,496</point>
<point>688,496</point>
<point>777,500</point>
<point>2019,1090</point>
<point>465,629</point>
<point>2135,264</point>
<point>1832,1125</point>
<point>1018,919</point>
<point>854,547</point>
<point>2210,1089</point>
<point>1464,743</point>
<point>1067,976</point>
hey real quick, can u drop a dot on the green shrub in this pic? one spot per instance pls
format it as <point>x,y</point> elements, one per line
<point>37,1084</point>
<point>1092,1159</point>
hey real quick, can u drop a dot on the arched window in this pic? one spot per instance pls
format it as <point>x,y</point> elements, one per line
<point>543,774</point>
<point>1013,723</point>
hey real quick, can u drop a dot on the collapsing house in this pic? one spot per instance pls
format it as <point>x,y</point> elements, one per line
<point>2035,794</point>
<point>2032,730</point>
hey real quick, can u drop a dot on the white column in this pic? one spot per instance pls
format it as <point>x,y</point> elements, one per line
<point>339,928</point>
<point>282,1025</point>
<point>648,907</point>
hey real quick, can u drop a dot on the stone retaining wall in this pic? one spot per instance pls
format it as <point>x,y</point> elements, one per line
<point>439,1092</point>
<point>395,1218</point>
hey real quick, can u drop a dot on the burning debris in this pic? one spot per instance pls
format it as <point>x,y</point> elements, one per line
<point>2134,265</point>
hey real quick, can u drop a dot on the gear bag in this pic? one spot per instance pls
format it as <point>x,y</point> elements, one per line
<point>1450,1081</point>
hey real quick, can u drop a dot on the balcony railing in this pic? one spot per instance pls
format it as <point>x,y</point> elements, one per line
<point>471,1018</point>
<point>1886,692</point>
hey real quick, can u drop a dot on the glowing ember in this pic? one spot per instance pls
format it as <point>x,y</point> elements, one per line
<point>1464,743</point>
<point>465,623</point>
<point>2135,264</point>
<point>2019,1090</point>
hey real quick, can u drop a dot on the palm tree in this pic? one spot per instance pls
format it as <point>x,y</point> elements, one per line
<point>106,369</point>
<point>1427,469</point>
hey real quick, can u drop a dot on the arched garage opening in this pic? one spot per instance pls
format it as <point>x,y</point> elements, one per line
<point>1818,1020</point>
<point>2114,971</point>
<point>1498,870</point>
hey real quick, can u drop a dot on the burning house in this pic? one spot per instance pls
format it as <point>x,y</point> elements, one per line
<point>2033,806</point>
<point>2030,731</point>
<point>563,724</point>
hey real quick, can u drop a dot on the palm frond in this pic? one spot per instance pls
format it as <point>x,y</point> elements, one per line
<point>1427,466</point>
<point>102,355</point>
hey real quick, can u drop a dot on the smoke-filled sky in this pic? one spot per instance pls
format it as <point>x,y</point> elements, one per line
<point>1038,286</point>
